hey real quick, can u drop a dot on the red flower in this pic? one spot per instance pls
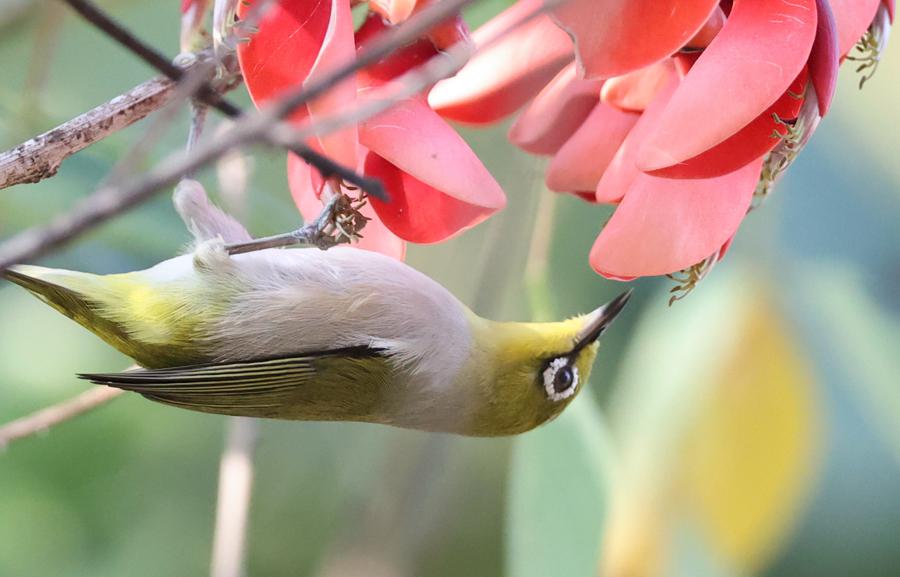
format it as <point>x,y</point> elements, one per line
<point>677,111</point>
<point>436,184</point>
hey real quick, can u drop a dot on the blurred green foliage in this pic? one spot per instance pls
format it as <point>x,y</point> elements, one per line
<point>130,489</point>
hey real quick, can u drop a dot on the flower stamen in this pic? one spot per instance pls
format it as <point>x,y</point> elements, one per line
<point>871,46</point>
<point>689,278</point>
<point>792,140</point>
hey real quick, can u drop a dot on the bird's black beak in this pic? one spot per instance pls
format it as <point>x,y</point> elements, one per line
<point>599,320</point>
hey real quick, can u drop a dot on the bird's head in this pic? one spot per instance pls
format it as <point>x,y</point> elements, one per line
<point>536,369</point>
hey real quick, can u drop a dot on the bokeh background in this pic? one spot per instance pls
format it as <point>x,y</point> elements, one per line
<point>751,429</point>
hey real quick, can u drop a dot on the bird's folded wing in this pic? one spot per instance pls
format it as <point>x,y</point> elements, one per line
<point>248,384</point>
<point>254,388</point>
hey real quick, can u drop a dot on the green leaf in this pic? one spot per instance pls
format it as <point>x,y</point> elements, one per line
<point>558,495</point>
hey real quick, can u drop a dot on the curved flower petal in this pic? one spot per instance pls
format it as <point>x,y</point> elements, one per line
<point>337,49</point>
<point>304,182</point>
<point>757,55</point>
<point>418,212</point>
<point>623,169</point>
<point>582,160</point>
<point>283,51</point>
<point>407,57</point>
<point>502,77</point>
<point>824,59</point>
<point>889,4</point>
<point>556,113</point>
<point>754,140</point>
<point>852,18</point>
<point>635,90</point>
<point>413,138</point>
<point>665,225</point>
<point>614,37</point>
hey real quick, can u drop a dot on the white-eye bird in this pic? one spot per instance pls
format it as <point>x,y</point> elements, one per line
<point>337,335</point>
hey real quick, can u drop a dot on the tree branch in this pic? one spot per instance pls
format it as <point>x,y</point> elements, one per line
<point>51,416</point>
<point>40,157</point>
<point>233,502</point>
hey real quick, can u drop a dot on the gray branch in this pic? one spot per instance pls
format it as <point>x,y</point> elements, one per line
<point>40,157</point>
<point>44,419</point>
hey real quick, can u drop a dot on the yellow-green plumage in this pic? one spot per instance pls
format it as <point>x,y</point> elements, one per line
<point>309,335</point>
<point>156,326</point>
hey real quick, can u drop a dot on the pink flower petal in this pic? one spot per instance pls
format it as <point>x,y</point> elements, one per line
<point>635,90</point>
<point>623,169</point>
<point>664,225</point>
<point>304,182</point>
<point>338,48</point>
<point>582,160</point>
<point>889,4</point>
<point>824,59</point>
<point>555,113</point>
<point>614,37</point>
<point>281,54</point>
<point>416,140</point>
<point>754,140</point>
<point>418,212</point>
<point>852,18</point>
<point>502,77</point>
<point>759,52</point>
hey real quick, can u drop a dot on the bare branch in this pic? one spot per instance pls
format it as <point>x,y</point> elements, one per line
<point>40,157</point>
<point>51,416</point>
<point>233,503</point>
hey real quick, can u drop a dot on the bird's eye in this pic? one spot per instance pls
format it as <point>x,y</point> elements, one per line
<point>560,379</point>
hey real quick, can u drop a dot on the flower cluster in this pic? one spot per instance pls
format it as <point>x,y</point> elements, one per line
<point>678,112</point>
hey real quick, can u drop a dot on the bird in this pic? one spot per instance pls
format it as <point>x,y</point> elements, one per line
<point>342,334</point>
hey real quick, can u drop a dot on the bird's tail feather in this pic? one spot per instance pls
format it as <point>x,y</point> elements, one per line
<point>69,293</point>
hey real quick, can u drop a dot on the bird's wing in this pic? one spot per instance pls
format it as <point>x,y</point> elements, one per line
<point>276,387</point>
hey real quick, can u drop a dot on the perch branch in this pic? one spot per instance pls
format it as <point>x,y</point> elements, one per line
<point>339,222</point>
<point>51,416</point>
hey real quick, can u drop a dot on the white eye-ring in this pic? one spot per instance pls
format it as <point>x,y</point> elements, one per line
<point>560,379</point>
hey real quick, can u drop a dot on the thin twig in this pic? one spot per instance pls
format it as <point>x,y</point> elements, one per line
<point>44,419</point>
<point>40,157</point>
<point>208,94</point>
<point>233,503</point>
<point>90,12</point>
